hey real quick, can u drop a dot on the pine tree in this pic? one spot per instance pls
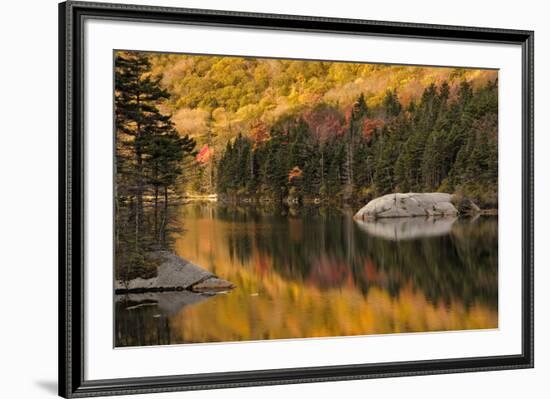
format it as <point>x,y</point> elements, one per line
<point>359,112</point>
<point>165,151</point>
<point>391,105</point>
<point>137,117</point>
<point>149,153</point>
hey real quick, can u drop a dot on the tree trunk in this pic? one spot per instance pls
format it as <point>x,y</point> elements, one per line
<point>139,162</point>
<point>164,217</point>
<point>156,208</point>
<point>322,168</point>
<point>251,164</point>
<point>139,195</point>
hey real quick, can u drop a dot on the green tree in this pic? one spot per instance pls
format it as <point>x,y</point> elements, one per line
<point>149,156</point>
<point>391,105</point>
<point>137,117</point>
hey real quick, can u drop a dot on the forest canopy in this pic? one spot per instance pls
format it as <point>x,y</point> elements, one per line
<point>340,130</point>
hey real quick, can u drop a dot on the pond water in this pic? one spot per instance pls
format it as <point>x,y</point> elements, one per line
<point>315,272</point>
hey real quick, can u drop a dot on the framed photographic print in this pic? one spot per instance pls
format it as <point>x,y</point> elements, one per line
<point>251,199</point>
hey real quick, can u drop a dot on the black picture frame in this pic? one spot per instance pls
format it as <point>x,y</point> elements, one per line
<point>71,200</point>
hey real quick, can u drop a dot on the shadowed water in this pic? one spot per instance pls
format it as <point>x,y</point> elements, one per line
<point>315,272</point>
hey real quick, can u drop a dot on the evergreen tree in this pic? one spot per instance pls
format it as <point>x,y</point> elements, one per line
<point>391,104</point>
<point>149,155</point>
<point>137,117</point>
<point>358,114</point>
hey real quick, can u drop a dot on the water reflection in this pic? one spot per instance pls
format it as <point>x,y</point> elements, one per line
<point>398,229</point>
<point>316,272</point>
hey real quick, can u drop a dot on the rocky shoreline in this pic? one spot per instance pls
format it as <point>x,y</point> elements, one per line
<point>174,274</point>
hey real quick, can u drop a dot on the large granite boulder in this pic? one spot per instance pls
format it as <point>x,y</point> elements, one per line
<point>175,273</point>
<point>408,205</point>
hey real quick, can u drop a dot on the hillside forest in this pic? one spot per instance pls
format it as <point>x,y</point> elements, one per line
<point>292,132</point>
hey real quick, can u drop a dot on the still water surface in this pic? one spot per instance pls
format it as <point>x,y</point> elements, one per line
<point>316,272</point>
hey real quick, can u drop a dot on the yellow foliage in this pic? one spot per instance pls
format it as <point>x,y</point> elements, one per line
<point>252,90</point>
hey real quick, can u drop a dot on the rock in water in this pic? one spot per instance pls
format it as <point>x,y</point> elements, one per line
<point>175,273</point>
<point>212,284</point>
<point>408,205</point>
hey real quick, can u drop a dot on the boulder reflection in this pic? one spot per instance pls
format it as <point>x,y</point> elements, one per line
<point>398,229</point>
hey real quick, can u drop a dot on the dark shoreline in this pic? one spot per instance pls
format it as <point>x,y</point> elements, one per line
<point>298,203</point>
